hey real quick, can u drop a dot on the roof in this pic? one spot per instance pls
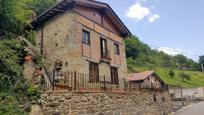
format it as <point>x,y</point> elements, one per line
<point>142,76</point>
<point>65,5</point>
<point>139,76</point>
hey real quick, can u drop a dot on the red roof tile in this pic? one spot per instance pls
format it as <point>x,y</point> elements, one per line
<point>139,76</point>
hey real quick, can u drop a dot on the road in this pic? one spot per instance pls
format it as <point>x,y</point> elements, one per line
<point>192,109</point>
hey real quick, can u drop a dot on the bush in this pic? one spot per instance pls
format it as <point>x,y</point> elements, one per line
<point>33,93</point>
<point>9,105</point>
<point>184,76</point>
<point>14,89</point>
<point>171,73</point>
<point>30,36</point>
<point>11,58</point>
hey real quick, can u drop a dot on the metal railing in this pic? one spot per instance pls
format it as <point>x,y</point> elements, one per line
<point>79,82</point>
<point>73,81</point>
<point>105,56</point>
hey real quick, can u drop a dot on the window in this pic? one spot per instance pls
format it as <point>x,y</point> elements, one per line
<point>117,49</point>
<point>163,99</point>
<point>104,50</point>
<point>154,98</point>
<point>93,72</point>
<point>114,75</point>
<point>86,37</point>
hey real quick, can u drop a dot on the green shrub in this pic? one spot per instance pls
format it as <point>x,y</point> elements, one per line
<point>33,93</point>
<point>9,105</point>
<point>171,73</point>
<point>30,36</point>
<point>184,76</point>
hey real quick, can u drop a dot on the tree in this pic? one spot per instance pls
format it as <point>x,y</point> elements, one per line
<point>201,60</point>
<point>171,73</point>
<point>132,47</point>
<point>184,76</point>
<point>39,6</point>
<point>14,15</point>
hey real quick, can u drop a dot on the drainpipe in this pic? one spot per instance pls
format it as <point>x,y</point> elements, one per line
<point>42,40</point>
<point>182,99</point>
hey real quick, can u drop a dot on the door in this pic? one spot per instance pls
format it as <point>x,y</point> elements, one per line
<point>93,72</point>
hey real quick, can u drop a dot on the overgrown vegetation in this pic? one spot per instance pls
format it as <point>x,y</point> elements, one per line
<point>14,89</point>
<point>39,6</point>
<point>16,94</point>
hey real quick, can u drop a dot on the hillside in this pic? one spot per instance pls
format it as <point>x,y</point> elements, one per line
<point>140,57</point>
<point>197,78</point>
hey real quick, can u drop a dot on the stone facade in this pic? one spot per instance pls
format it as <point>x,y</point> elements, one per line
<point>138,103</point>
<point>62,40</point>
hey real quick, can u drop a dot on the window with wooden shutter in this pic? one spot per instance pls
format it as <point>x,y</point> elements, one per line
<point>114,75</point>
<point>93,72</point>
<point>117,49</point>
<point>86,37</point>
<point>104,50</point>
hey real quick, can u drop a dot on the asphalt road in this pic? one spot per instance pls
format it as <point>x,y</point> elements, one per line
<point>192,109</point>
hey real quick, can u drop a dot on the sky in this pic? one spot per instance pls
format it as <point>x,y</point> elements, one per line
<point>172,26</point>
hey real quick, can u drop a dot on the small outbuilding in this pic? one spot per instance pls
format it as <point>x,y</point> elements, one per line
<point>146,80</point>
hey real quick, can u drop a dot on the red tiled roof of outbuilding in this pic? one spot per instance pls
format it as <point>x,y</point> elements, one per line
<point>139,76</point>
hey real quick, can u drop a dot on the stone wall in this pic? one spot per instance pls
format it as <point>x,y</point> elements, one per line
<point>138,103</point>
<point>187,92</point>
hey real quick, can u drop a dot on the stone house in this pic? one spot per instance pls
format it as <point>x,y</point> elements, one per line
<point>148,79</point>
<point>84,36</point>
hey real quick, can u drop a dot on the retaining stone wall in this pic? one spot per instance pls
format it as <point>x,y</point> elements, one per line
<point>138,103</point>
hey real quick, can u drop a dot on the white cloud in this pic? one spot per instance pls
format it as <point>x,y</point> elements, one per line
<point>170,51</point>
<point>153,18</point>
<point>138,12</point>
<point>175,51</point>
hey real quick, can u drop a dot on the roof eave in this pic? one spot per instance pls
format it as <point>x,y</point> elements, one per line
<point>51,12</point>
<point>64,5</point>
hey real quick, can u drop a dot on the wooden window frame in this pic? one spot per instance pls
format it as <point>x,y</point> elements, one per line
<point>154,98</point>
<point>84,41</point>
<point>104,49</point>
<point>114,75</point>
<point>96,78</point>
<point>116,49</point>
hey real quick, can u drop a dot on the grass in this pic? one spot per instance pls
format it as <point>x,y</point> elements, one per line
<point>197,78</point>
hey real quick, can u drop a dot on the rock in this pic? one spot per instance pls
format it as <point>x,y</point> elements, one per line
<point>36,110</point>
<point>52,104</point>
<point>56,113</point>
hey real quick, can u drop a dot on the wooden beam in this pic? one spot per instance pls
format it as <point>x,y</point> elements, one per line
<point>58,10</point>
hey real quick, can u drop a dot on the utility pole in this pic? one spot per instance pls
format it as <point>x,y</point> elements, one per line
<point>202,66</point>
<point>182,99</point>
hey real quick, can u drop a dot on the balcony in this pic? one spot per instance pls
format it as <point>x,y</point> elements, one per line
<point>72,81</point>
<point>105,56</point>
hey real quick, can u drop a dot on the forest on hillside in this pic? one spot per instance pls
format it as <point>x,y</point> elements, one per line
<point>140,54</point>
